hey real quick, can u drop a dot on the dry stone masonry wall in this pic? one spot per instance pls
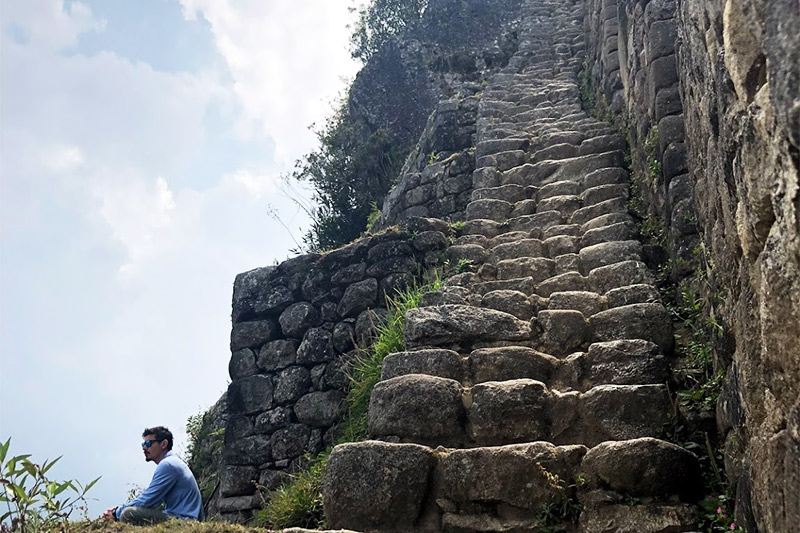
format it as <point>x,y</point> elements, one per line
<point>295,326</point>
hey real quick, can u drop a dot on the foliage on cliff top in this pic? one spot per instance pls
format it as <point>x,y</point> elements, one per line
<point>352,169</point>
<point>379,20</point>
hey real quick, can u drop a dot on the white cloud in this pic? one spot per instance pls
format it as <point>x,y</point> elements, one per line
<point>283,61</point>
<point>46,24</point>
<point>63,158</point>
<point>136,212</point>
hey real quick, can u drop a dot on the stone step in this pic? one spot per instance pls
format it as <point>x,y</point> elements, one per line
<point>510,193</point>
<point>585,214</point>
<point>601,193</point>
<point>564,204</point>
<point>537,268</point>
<point>461,324</point>
<point>488,209</point>
<point>620,231</point>
<point>620,362</point>
<point>550,171</point>
<point>440,411</point>
<point>379,486</point>
<point>608,253</point>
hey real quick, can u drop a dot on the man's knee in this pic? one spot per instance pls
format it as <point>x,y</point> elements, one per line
<point>139,516</point>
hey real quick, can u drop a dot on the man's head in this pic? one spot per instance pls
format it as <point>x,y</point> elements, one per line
<point>157,442</point>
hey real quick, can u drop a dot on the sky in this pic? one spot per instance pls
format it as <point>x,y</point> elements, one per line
<point>141,148</point>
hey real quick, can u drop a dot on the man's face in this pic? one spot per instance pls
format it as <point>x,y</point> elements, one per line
<point>156,450</point>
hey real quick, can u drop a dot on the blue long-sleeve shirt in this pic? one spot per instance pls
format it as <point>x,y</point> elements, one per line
<point>174,485</point>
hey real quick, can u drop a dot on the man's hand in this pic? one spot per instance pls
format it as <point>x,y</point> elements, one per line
<point>110,515</point>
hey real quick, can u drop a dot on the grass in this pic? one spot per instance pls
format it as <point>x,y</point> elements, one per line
<point>171,526</point>
<point>298,501</point>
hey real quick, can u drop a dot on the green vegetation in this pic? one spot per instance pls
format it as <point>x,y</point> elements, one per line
<point>34,501</point>
<point>458,225</point>
<point>380,20</point>
<point>692,306</point>
<point>171,526</point>
<point>373,216</point>
<point>204,450</point>
<point>588,92</point>
<point>357,161</point>
<point>298,502</point>
<point>353,168</point>
<point>563,505</point>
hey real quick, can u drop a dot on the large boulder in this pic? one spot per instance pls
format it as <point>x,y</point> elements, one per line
<point>376,485</point>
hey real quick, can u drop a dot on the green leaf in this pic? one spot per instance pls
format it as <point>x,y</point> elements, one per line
<point>61,488</point>
<point>4,450</point>
<point>47,466</point>
<point>91,484</point>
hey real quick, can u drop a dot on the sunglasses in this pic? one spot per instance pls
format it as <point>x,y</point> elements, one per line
<point>148,443</point>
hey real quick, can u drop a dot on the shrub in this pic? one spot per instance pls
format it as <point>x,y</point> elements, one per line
<point>34,501</point>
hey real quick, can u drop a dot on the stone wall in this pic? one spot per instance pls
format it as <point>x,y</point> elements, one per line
<point>632,68</point>
<point>436,180</point>
<point>740,76</point>
<point>720,80</point>
<point>296,326</point>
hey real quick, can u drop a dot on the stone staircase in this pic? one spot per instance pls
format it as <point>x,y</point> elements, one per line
<point>539,379</point>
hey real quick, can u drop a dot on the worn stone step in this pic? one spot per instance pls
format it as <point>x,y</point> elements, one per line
<point>605,176</point>
<point>510,193</point>
<point>607,219</point>
<point>504,160</point>
<point>571,230</point>
<point>380,486</point>
<point>519,248</point>
<point>561,245</point>
<point>539,222</point>
<point>546,172</point>
<point>537,268</point>
<point>620,231</point>
<point>488,209</point>
<point>439,411</point>
<point>648,321</point>
<point>513,302</point>
<point>560,188</point>
<point>585,214</point>
<point>524,285</point>
<point>608,253</point>
<point>507,237</point>
<point>620,362</point>
<point>601,193</point>
<point>567,263</point>
<point>485,227</point>
<point>473,253</point>
<point>524,207</point>
<point>588,303</point>
<point>568,281</point>
<point>481,240</point>
<point>606,278</point>
<point>461,324</point>
<point>488,147</point>
<point>565,204</point>
<point>632,294</point>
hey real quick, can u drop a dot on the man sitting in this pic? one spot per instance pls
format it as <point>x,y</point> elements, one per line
<point>173,485</point>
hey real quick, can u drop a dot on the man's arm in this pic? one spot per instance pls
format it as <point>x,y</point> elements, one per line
<point>163,480</point>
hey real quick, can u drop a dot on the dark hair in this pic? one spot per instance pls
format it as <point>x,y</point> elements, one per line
<point>160,433</point>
